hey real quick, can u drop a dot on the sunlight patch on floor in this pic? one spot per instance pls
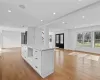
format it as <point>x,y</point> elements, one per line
<point>93,57</point>
<point>7,50</point>
<point>87,56</point>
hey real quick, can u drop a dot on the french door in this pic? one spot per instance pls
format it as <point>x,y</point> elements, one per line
<point>59,40</point>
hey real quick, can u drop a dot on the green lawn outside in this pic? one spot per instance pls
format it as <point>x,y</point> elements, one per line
<point>87,44</point>
<point>97,44</point>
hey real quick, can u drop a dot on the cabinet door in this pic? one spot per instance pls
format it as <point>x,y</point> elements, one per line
<point>37,53</point>
<point>24,51</point>
<point>37,65</point>
<point>37,60</point>
<point>47,60</point>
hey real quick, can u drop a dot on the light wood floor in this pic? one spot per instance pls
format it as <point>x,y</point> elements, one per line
<point>68,66</point>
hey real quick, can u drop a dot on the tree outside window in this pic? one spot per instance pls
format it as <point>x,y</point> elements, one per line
<point>97,39</point>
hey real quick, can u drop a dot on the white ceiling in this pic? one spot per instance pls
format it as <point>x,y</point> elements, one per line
<point>84,18</point>
<point>37,10</point>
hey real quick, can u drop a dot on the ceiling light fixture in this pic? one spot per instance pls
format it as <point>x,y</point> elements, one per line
<point>79,0</point>
<point>83,17</point>
<point>54,13</point>
<point>41,20</point>
<point>9,11</point>
<point>63,22</point>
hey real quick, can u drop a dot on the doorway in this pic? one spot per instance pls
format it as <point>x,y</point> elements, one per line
<point>59,40</point>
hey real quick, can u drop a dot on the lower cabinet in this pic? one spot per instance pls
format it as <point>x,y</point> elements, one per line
<point>42,61</point>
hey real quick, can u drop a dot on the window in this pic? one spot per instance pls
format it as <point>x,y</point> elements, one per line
<point>87,39</point>
<point>97,39</point>
<point>80,39</point>
<point>84,39</point>
<point>61,37</point>
<point>57,39</point>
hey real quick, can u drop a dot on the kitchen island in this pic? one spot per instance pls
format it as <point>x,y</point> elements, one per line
<point>39,58</point>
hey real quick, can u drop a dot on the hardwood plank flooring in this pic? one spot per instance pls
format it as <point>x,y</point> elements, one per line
<point>69,65</point>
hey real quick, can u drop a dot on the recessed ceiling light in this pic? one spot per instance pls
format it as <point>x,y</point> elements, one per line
<point>9,11</point>
<point>83,17</point>
<point>41,20</point>
<point>54,13</point>
<point>79,0</point>
<point>63,22</point>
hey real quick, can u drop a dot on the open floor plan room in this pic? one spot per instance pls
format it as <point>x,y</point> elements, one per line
<point>49,39</point>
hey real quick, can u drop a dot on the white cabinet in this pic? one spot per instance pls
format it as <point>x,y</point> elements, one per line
<point>47,60</point>
<point>24,51</point>
<point>42,61</point>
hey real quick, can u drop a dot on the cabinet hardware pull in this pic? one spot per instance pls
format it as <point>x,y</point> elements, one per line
<point>36,67</point>
<point>36,58</point>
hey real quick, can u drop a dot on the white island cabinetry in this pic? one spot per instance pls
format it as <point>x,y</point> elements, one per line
<point>41,59</point>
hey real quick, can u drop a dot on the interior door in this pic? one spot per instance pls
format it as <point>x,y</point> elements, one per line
<point>59,40</point>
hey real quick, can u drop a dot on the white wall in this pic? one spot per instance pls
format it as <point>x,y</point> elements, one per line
<point>11,39</point>
<point>70,39</point>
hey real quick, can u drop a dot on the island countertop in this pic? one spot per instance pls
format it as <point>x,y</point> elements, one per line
<point>38,47</point>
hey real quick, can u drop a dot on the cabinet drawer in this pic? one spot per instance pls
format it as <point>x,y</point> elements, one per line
<point>38,68</point>
<point>37,63</point>
<point>37,54</point>
<point>24,47</point>
<point>24,50</point>
<point>24,53</point>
